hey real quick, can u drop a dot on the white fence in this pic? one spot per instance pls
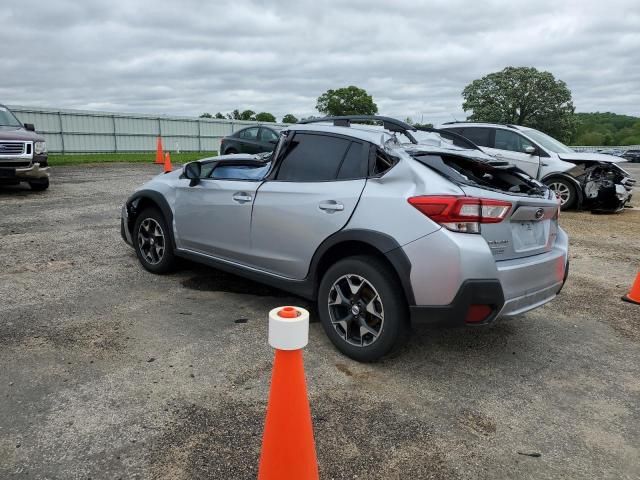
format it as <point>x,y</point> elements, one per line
<point>80,131</point>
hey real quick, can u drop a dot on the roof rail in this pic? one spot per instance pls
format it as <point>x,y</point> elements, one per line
<point>388,123</point>
<point>515,127</point>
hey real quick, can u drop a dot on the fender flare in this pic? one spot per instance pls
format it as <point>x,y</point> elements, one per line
<point>385,244</point>
<point>159,200</point>
<point>571,180</point>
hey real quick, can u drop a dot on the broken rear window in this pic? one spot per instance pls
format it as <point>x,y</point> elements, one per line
<point>495,176</point>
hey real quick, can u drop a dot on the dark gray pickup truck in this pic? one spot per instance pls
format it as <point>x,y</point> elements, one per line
<point>23,153</point>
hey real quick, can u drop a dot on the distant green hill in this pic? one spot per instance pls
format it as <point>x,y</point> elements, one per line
<point>606,129</point>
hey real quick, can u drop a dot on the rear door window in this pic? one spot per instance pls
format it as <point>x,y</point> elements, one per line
<point>249,134</point>
<point>313,158</point>
<point>268,135</point>
<point>479,135</point>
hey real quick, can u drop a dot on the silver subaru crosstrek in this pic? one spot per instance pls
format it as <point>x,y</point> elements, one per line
<point>382,226</point>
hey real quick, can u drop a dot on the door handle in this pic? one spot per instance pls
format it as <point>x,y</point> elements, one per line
<point>331,206</point>
<point>241,197</point>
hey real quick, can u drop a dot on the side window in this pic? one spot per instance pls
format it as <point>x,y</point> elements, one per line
<point>355,163</point>
<point>206,169</point>
<point>268,135</point>
<point>382,162</point>
<point>312,158</point>
<point>240,172</point>
<point>249,134</point>
<point>479,135</point>
<point>506,140</point>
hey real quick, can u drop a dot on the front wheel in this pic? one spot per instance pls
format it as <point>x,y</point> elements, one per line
<point>152,242</point>
<point>565,191</point>
<point>362,308</point>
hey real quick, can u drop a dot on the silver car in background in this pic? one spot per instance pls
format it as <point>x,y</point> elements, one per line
<point>380,228</point>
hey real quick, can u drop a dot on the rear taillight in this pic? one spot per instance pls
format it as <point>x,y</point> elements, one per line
<point>478,313</point>
<point>461,214</point>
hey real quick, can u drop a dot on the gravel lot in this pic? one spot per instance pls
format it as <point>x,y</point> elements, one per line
<point>111,372</point>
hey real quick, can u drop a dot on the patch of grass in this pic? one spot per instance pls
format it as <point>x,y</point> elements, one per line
<point>142,157</point>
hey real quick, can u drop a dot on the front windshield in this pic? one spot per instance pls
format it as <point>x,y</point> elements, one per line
<point>7,119</point>
<point>547,142</point>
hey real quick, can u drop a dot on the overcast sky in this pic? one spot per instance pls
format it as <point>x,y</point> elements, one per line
<point>186,56</point>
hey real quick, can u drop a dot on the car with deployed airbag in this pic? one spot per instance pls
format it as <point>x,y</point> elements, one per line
<point>381,226</point>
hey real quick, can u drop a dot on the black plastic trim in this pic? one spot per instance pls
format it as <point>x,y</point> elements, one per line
<point>482,292</point>
<point>303,288</point>
<point>159,200</point>
<point>387,246</point>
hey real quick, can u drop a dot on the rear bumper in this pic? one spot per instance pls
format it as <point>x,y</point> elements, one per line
<point>485,292</point>
<point>509,287</point>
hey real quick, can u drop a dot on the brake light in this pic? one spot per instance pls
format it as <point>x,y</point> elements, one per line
<point>461,214</point>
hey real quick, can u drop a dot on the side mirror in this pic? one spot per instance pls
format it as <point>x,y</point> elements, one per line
<point>192,171</point>
<point>530,150</point>
<point>273,141</point>
<point>30,126</point>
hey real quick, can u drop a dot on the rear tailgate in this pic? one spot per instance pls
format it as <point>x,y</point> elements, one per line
<point>531,224</point>
<point>530,227</point>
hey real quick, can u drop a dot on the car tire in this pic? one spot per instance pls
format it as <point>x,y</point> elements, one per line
<point>368,283</point>
<point>39,185</point>
<point>565,190</point>
<point>230,151</point>
<point>152,242</point>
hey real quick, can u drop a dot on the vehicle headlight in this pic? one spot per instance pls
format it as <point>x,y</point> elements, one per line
<point>40,147</point>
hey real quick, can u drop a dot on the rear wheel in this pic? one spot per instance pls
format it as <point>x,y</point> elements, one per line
<point>152,242</point>
<point>230,151</point>
<point>565,191</point>
<point>362,308</point>
<point>39,185</point>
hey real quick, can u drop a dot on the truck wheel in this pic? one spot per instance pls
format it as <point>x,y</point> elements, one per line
<point>565,191</point>
<point>39,185</point>
<point>362,308</point>
<point>152,242</point>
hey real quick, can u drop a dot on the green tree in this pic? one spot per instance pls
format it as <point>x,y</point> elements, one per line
<point>289,118</point>
<point>220,116</point>
<point>206,115</point>
<point>264,117</point>
<point>346,101</point>
<point>522,96</point>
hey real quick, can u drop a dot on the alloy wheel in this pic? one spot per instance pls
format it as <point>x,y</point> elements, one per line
<point>356,310</point>
<point>562,191</point>
<point>151,241</point>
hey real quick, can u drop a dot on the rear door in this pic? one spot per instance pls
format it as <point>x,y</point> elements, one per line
<point>510,146</point>
<point>310,196</point>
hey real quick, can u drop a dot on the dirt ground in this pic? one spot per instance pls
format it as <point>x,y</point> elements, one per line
<point>110,372</point>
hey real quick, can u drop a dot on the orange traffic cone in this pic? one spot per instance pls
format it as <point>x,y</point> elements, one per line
<point>167,163</point>
<point>288,448</point>
<point>634,295</point>
<point>159,155</point>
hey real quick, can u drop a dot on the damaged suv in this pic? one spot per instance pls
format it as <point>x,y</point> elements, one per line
<point>591,181</point>
<point>379,231</point>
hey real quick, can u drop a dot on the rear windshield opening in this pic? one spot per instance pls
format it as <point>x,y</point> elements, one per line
<point>477,173</point>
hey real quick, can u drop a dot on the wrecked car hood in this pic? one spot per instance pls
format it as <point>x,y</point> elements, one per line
<point>594,157</point>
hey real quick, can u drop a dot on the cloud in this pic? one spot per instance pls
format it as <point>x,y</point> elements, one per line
<point>415,58</point>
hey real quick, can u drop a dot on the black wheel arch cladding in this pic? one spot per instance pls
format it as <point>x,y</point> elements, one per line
<point>143,198</point>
